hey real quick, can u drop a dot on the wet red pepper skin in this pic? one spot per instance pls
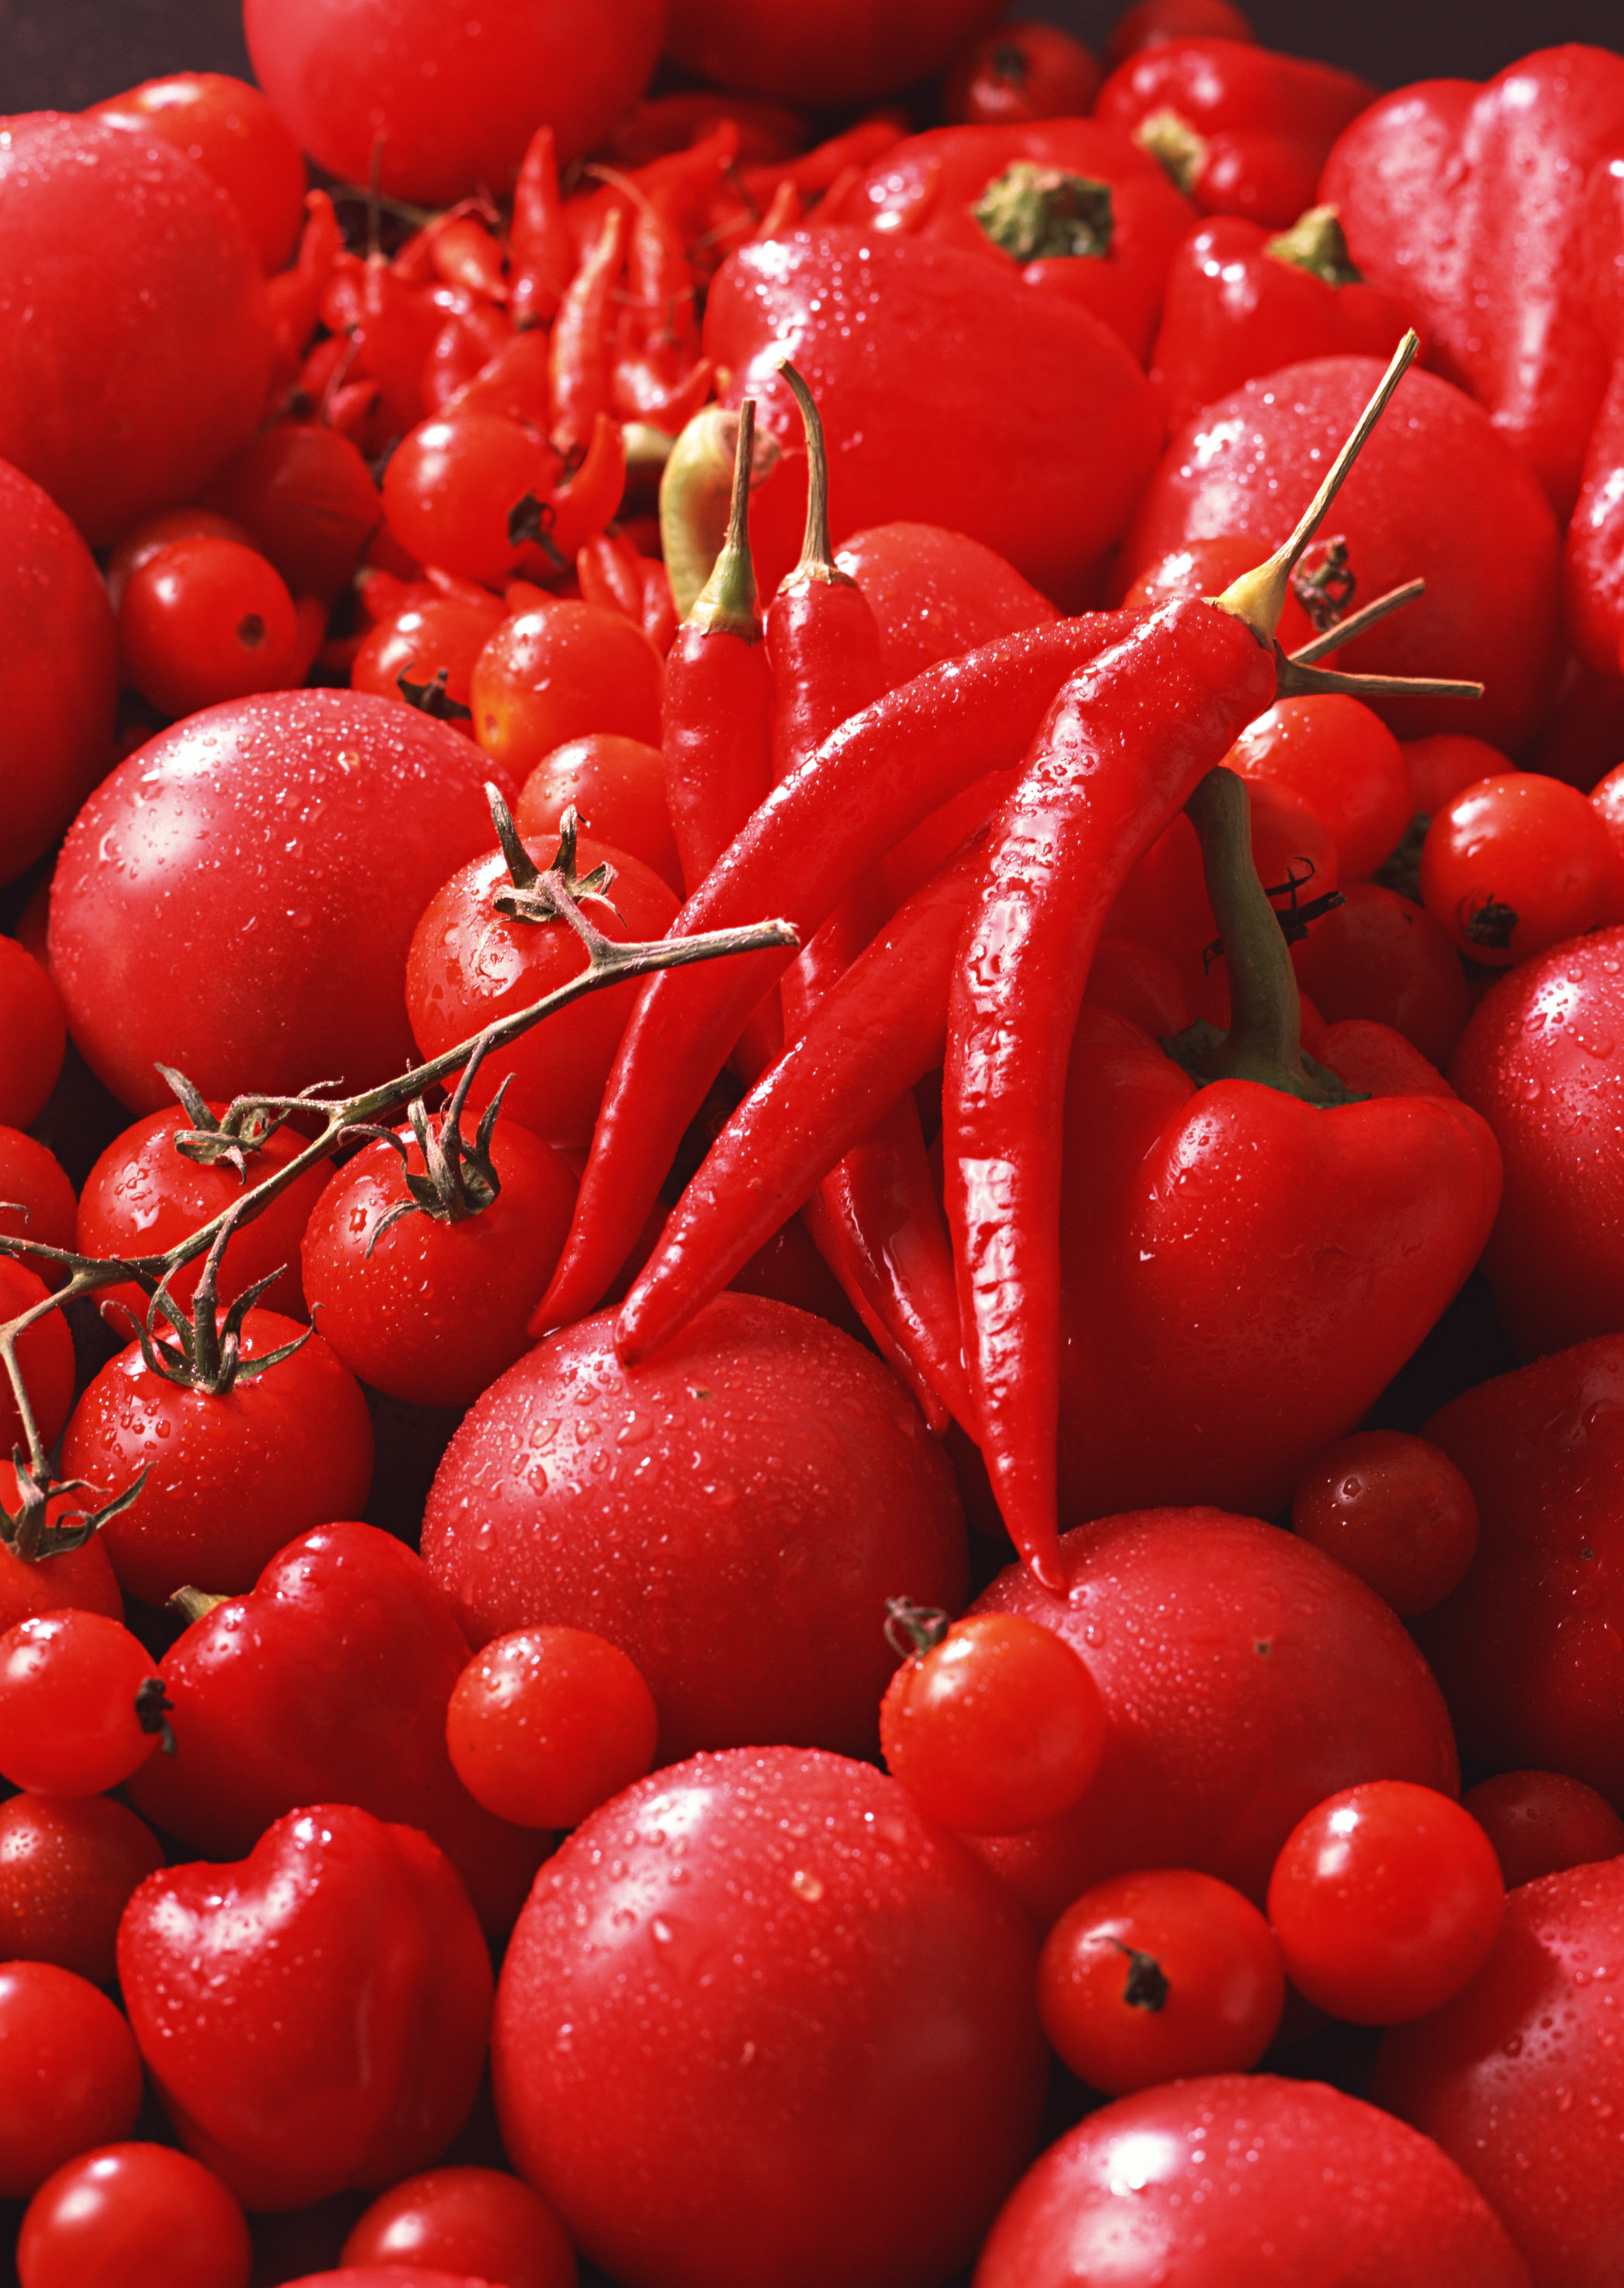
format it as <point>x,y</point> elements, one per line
<point>1124,744</point>
<point>1593,559</point>
<point>951,394</point>
<point>1438,494</point>
<point>1231,310</point>
<point>1470,202</point>
<point>928,185</point>
<point>328,1681</point>
<point>1266,120</point>
<point>879,776</point>
<point>1221,1246</point>
<point>315,2015</point>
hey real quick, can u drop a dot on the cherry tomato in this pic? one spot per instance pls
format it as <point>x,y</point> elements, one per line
<point>616,786</point>
<point>433,1311</point>
<point>145,539</point>
<point>81,1577</point>
<point>133,2216</point>
<point>453,2218</point>
<point>1344,762</point>
<point>73,2074</point>
<point>79,1704</point>
<point>1381,956</point>
<point>469,964</point>
<point>1151,1976</point>
<point>1022,71</point>
<point>1385,1900</point>
<point>845,1996</point>
<point>226,127</point>
<point>205,620</point>
<point>997,1728</point>
<point>545,1724</point>
<point>1441,766</point>
<point>440,638</point>
<point>1150,21</point>
<point>555,674</point>
<point>67,1866</point>
<point>308,498</point>
<point>817,55</point>
<point>760,1462</point>
<point>1394,1510</point>
<point>1541,1823</point>
<point>454,487</point>
<point>33,1035</point>
<point>1290,2181</point>
<point>143,1195</point>
<point>348,85</point>
<point>1515,864</point>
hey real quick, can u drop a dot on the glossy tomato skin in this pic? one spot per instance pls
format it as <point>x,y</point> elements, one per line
<point>468,965</point>
<point>1527,2061</point>
<point>230,1475</point>
<point>936,593</point>
<point>842,1996</point>
<point>79,1578</point>
<point>465,2216</point>
<point>135,334</point>
<point>1206,1634</point>
<point>342,78</point>
<point>71,2050</point>
<point>1234,2178</point>
<point>227,127</point>
<point>237,898</point>
<point>133,2216</point>
<point>1438,492</point>
<point>732,1516</point>
<point>67,1866</point>
<point>56,624</point>
<point>1538,1059</point>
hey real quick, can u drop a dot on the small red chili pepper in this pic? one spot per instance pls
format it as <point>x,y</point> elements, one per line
<point>815,170</point>
<point>295,293</point>
<point>583,336</point>
<point>543,254</point>
<point>586,502</point>
<point>610,572</point>
<point>716,723</point>
<point>515,383</point>
<point>1244,130</point>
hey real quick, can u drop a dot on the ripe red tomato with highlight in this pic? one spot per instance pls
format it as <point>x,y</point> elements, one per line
<point>544,1724</point>
<point>461,2216</point>
<point>1515,864</point>
<point>67,1866</point>
<point>1394,1510</point>
<point>1541,1823</point>
<point>227,128</point>
<point>70,2049</point>
<point>133,2216</point>
<point>560,672</point>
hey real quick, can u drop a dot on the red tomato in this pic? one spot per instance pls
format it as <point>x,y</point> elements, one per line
<point>80,1578</point>
<point>1394,1510</point>
<point>1541,1823</point>
<point>36,1198</point>
<point>560,672</point>
<point>1148,1977</point>
<point>309,500</point>
<point>469,964</point>
<point>841,1993</point>
<point>215,890</point>
<point>808,53</point>
<point>433,1311</point>
<point>136,346</point>
<point>1206,1633</point>
<point>133,2216</point>
<point>1513,864</point>
<point>350,83</point>
<point>1527,2061</point>
<point>227,129</point>
<point>70,2049</point>
<point>67,1866</point>
<point>546,1724</point>
<point>1022,71</point>
<point>1335,755</point>
<point>616,787</point>
<point>444,635</point>
<point>1385,1900</point>
<point>760,1462</point>
<point>461,2216</point>
<point>935,593</point>
<point>33,1035</point>
<point>61,677</point>
<point>1383,958</point>
<point>80,1708</point>
<point>230,1478</point>
<point>1234,2178</point>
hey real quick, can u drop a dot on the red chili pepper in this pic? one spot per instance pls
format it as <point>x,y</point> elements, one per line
<point>656,332</point>
<point>610,572</point>
<point>663,124</point>
<point>515,383</point>
<point>1242,130</point>
<point>815,170</point>
<point>315,2016</point>
<point>1239,303</point>
<point>582,335</point>
<point>1593,561</point>
<point>463,253</point>
<point>716,725</point>
<point>1470,202</point>
<point>876,778</point>
<point>295,293</point>
<point>543,254</point>
<point>586,502</point>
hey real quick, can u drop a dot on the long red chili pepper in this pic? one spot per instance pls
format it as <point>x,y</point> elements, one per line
<point>583,336</point>
<point>543,251</point>
<point>881,1027</point>
<point>717,722</point>
<point>866,786</point>
<point>1124,746</point>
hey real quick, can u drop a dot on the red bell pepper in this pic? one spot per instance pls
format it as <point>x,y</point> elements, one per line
<point>1242,130</point>
<point>315,2016</point>
<point>1470,202</point>
<point>1593,561</point>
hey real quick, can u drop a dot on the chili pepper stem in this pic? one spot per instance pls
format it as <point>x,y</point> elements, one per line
<point>817,548</point>
<point>727,603</point>
<point>1259,596</point>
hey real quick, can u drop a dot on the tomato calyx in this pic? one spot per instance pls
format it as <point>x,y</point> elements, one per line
<point>152,1707</point>
<point>209,1141</point>
<point>530,523</point>
<point>1488,920</point>
<point>32,1534</point>
<point>459,1180</point>
<point>554,893</point>
<point>911,1630</point>
<point>204,1352</point>
<point>1315,243</point>
<point>1326,592</point>
<point>1147,1987</point>
<point>432,697</point>
<point>1033,212</point>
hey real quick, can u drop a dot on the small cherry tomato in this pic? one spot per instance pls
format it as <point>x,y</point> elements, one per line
<point>81,1577</point>
<point>67,1866</point>
<point>1147,1977</point>
<point>436,641</point>
<point>72,2074</point>
<point>133,2216</point>
<point>454,494</point>
<point>1385,1900</point>
<point>308,498</point>
<point>1150,21</point>
<point>36,1198</point>
<point>1381,956</point>
<point>33,1035</point>
<point>1441,766</point>
<point>1344,762</point>
<point>80,1707</point>
<point>456,2220</point>
<point>1394,1510</point>
<point>207,620</point>
<point>1022,71</point>
<point>554,674</point>
<point>998,1727</point>
<point>546,1723</point>
<point>1515,864</point>
<point>1541,1823</point>
<point>616,787</point>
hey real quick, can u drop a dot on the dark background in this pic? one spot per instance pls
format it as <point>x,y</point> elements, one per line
<point>62,54</point>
